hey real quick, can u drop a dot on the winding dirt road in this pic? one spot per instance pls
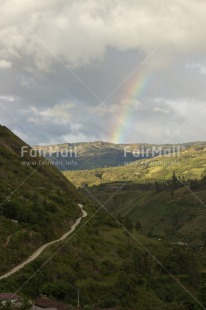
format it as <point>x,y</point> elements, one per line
<point>43,247</point>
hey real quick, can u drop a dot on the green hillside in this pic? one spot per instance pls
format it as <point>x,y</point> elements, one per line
<point>37,203</point>
<point>190,164</point>
<point>144,192</point>
<point>110,269</point>
<point>178,218</point>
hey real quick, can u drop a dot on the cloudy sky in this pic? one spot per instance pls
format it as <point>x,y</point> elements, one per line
<point>116,70</point>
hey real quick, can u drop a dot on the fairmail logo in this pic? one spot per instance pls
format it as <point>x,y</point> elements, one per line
<point>153,151</point>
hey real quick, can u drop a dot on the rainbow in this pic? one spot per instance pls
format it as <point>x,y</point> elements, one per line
<point>133,92</point>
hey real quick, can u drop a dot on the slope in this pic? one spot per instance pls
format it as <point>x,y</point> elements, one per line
<point>189,164</point>
<point>37,203</point>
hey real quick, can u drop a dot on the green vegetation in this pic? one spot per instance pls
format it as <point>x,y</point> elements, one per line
<point>109,269</point>
<point>191,164</point>
<point>178,218</point>
<point>37,203</point>
<point>166,195</point>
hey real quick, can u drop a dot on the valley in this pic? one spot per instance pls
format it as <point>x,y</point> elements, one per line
<point>166,195</point>
<point>141,245</point>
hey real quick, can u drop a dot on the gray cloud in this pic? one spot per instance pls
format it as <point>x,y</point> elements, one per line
<point>4,64</point>
<point>59,60</point>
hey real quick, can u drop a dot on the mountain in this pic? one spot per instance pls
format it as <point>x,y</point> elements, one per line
<point>92,155</point>
<point>107,261</point>
<point>37,203</point>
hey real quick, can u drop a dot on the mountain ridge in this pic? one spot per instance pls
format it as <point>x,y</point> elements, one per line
<point>99,154</point>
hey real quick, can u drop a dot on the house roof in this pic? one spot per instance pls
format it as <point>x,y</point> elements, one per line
<point>48,303</point>
<point>40,308</point>
<point>114,308</point>
<point>9,296</point>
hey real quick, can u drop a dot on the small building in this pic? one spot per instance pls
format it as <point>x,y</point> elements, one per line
<point>40,308</point>
<point>46,303</point>
<point>182,243</point>
<point>9,298</point>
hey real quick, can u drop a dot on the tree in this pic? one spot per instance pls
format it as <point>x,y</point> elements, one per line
<point>35,198</point>
<point>194,184</point>
<point>128,223</point>
<point>204,239</point>
<point>123,281</point>
<point>9,210</point>
<point>138,226</point>
<point>174,181</point>
<point>157,187</point>
<point>127,234</point>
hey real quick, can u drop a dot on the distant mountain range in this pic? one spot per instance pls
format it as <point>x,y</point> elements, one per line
<point>98,154</point>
